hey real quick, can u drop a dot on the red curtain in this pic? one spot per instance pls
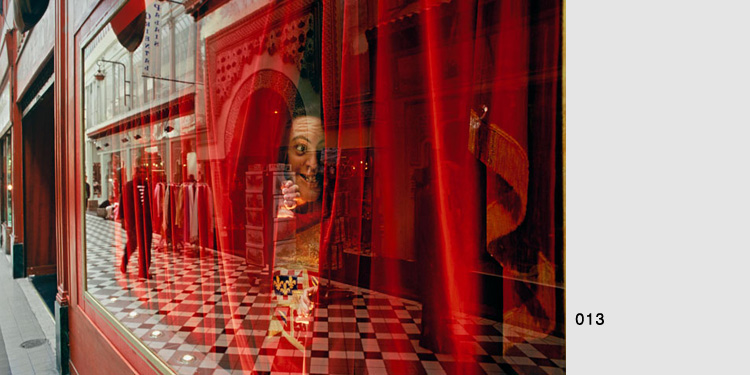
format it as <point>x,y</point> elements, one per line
<point>401,83</point>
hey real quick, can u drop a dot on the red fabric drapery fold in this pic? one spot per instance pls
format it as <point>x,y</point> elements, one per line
<point>403,87</point>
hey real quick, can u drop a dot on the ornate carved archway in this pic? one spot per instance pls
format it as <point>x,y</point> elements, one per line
<point>263,79</point>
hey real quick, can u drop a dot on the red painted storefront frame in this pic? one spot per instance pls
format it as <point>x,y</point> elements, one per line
<point>97,346</point>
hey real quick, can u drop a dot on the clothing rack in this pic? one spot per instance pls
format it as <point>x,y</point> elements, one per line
<point>180,208</point>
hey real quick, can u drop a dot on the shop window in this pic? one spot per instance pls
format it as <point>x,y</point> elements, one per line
<point>307,186</point>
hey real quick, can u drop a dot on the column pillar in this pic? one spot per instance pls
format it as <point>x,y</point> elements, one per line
<point>68,198</point>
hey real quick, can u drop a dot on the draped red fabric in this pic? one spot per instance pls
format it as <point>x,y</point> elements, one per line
<point>407,81</point>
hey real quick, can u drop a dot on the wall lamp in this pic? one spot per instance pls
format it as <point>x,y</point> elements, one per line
<point>100,75</point>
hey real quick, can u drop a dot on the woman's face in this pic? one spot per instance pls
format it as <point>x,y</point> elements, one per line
<point>306,143</point>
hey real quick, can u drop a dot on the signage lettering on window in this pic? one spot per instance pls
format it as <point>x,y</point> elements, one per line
<point>151,38</point>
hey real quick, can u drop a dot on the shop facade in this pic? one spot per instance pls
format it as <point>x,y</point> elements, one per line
<point>6,155</point>
<point>26,142</point>
<point>305,186</point>
<point>6,134</point>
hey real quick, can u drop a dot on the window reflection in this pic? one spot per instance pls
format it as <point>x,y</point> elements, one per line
<point>273,200</point>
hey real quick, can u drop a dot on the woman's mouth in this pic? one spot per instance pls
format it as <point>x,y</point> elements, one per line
<point>310,179</point>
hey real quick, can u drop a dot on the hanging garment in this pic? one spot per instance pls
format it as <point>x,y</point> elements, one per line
<point>179,204</point>
<point>175,209</point>
<point>158,212</point>
<point>205,216</point>
<point>189,212</point>
<point>165,211</point>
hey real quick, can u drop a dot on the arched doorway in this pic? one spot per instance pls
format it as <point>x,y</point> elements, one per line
<point>254,144</point>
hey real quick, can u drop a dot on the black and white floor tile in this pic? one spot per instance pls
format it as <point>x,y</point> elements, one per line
<point>217,309</point>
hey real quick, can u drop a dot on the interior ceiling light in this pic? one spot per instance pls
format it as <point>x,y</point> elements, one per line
<point>137,136</point>
<point>125,139</point>
<point>168,129</point>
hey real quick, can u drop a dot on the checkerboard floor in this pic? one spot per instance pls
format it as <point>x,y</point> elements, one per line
<point>217,309</point>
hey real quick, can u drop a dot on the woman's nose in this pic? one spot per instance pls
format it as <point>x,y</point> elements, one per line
<point>311,160</point>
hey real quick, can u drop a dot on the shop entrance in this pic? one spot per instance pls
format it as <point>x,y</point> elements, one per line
<point>39,195</point>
